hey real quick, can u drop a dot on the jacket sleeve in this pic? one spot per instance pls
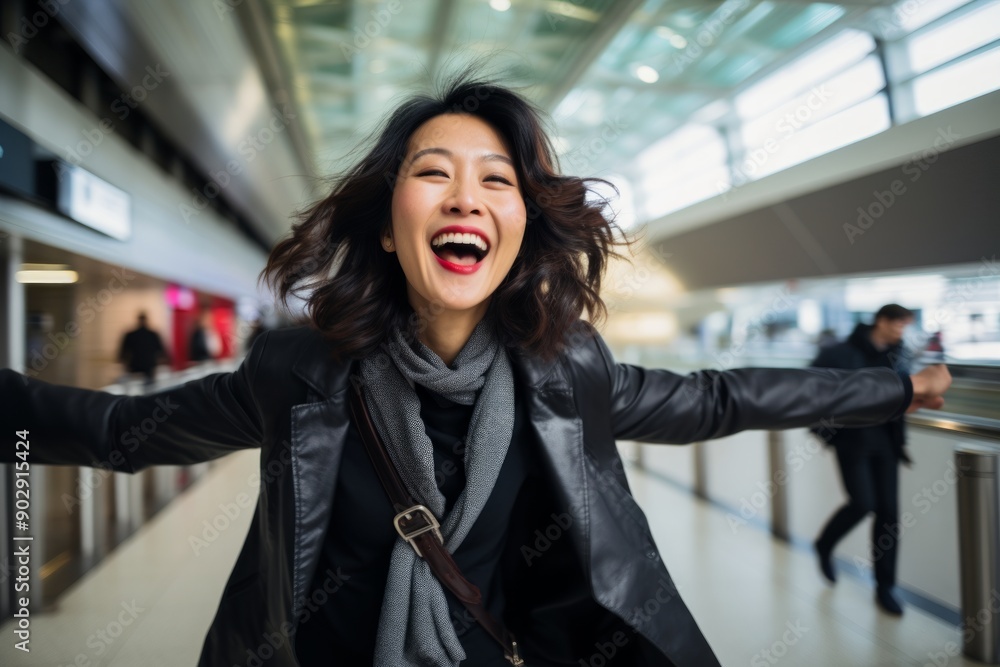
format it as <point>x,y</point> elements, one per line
<point>658,406</point>
<point>194,422</point>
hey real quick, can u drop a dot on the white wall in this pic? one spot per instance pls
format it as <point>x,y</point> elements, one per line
<point>738,473</point>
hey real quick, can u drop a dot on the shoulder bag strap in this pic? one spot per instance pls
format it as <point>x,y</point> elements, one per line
<point>420,528</point>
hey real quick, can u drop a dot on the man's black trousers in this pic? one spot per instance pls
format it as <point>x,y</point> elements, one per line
<point>871,480</point>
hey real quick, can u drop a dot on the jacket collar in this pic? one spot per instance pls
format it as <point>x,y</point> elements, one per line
<point>316,366</point>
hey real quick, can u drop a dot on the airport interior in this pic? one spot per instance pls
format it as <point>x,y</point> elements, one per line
<point>788,168</point>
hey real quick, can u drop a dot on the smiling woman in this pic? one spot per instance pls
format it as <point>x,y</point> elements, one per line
<point>473,161</point>
<point>440,482</point>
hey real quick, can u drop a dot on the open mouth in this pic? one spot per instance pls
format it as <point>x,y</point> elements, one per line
<point>461,249</point>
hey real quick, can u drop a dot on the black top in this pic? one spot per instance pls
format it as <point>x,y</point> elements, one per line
<point>360,538</point>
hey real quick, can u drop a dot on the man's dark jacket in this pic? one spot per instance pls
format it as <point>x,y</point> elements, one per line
<point>289,397</point>
<point>858,351</point>
<point>140,350</point>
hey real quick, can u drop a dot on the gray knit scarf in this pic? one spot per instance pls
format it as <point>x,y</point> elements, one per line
<point>415,628</point>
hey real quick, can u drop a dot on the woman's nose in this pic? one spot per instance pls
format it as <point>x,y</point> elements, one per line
<point>463,199</point>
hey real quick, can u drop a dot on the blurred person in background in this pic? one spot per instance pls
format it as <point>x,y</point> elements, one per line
<point>869,457</point>
<point>203,343</point>
<point>934,348</point>
<point>827,337</point>
<point>452,330</point>
<point>141,349</point>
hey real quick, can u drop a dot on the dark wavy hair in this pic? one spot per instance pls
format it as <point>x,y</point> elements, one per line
<point>355,292</point>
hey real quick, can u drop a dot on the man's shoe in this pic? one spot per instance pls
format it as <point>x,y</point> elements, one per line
<point>825,564</point>
<point>888,603</point>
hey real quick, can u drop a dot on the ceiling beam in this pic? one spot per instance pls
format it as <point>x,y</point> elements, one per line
<point>277,77</point>
<point>613,20</point>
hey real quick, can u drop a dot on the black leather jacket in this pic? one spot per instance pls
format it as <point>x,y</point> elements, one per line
<point>289,398</point>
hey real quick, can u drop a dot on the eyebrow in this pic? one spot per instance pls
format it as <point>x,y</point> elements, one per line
<point>488,157</point>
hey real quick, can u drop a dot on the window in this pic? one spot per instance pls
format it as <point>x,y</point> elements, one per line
<point>953,38</point>
<point>854,124</point>
<point>957,83</point>
<point>683,168</point>
<point>951,60</point>
<point>844,50</point>
<point>826,99</point>
<point>858,83</point>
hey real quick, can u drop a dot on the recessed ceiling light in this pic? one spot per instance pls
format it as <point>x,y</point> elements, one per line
<point>678,41</point>
<point>45,273</point>
<point>647,74</point>
<point>500,5</point>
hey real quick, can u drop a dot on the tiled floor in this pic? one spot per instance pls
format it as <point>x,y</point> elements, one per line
<point>758,601</point>
<point>761,602</point>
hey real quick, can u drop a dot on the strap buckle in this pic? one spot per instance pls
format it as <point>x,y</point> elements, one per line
<point>514,658</point>
<point>431,524</point>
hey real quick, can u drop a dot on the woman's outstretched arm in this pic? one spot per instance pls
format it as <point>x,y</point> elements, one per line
<point>200,420</point>
<point>658,406</point>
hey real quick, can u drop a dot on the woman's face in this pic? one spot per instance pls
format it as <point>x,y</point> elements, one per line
<point>458,215</point>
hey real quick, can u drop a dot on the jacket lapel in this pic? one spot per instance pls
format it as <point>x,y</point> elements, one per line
<point>318,430</point>
<point>559,431</point>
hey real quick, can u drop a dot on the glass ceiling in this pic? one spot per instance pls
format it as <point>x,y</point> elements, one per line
<point>614,75</point>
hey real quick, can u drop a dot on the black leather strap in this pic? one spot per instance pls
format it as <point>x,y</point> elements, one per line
<point>418,526</point>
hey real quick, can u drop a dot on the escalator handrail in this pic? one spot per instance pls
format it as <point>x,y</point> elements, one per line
<point>982,427</point>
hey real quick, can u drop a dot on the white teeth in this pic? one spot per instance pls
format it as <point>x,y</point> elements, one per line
<point>471,239</point>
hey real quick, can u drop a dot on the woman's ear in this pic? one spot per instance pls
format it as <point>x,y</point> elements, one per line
<point>387,243</point>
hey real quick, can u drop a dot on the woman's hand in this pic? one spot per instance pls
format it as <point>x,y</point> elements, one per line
<point>928,387</point>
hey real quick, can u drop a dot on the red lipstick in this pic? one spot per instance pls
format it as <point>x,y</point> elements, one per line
<point>464,269</point>
<point>459,268</point>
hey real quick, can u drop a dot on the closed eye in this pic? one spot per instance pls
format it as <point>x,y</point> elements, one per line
<point>498,177</point>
